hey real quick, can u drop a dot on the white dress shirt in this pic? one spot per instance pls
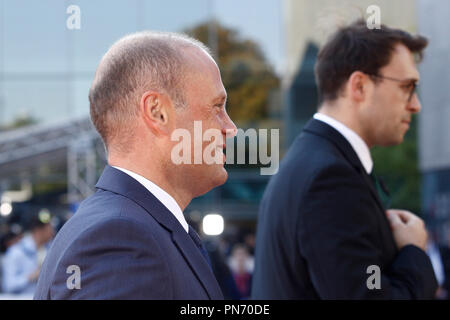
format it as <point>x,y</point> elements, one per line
<point>357,143</point>
<point>165,198</point>
<point>20,261</point>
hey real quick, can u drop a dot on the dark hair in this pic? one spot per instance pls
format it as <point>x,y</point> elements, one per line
<point>358,48</point>
<point>39,220</point>
<point>13,231</point>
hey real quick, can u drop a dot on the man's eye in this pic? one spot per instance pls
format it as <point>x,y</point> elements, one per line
<point>408,86</point>
<point>219,105</point>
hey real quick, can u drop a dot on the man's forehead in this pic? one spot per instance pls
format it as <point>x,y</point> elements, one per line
<point>205,83</point>
<point>402,64</point>
<point>197,57</point>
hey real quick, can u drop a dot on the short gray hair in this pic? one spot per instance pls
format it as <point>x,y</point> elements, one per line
<point>133,65</point>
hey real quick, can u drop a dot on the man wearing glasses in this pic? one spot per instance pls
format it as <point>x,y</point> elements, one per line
<point>324,228</point>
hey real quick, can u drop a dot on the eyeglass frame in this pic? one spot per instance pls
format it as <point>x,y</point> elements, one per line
<point>413,81</point>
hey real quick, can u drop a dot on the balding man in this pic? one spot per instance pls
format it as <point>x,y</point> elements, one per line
<point>130,239</point>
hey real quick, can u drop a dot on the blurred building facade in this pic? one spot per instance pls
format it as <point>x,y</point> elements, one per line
<point>434,128</point>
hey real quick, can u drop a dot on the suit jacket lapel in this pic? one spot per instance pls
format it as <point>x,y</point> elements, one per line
<point>119,182</point>
<point>198,263</point>
<point>324,130</point>
<point>374,191</point>
<point>328,132</point>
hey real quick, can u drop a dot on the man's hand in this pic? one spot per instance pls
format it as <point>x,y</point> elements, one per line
<point>407,228</point>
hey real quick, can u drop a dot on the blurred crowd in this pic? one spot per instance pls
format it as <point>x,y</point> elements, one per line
<point>23,248</point>
<point>232,260</point>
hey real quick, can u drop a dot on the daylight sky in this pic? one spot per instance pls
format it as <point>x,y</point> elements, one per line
<point>37,49</point>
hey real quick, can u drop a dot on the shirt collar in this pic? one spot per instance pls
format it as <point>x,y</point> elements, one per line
<point>357,143</point>
<point>166,199</point>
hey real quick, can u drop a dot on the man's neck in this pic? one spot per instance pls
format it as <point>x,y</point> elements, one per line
<point>157,175</point>
<point>335,112</point>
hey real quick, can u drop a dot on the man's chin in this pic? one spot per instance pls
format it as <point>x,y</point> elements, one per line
<point>397,141</point>
<point>391,141</point>
<point>222,176</point>
<point>214,180</point>
<point>219,177</point>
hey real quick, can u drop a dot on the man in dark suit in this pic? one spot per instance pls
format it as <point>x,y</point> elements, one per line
<point>130,239</point>
<point>323,229</point>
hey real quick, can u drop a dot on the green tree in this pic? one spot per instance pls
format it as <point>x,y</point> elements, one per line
<point>19,122</point>
<point>247,76</point>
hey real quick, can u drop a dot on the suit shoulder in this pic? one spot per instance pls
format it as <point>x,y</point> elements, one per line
<point>115,230</point>
<point>110,201</point>
<point>116,251</point>
<point>309,158</point>
<point>309,152</point>
<point>106,211</point>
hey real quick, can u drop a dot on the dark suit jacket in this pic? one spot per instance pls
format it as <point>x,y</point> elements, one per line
<point>444,251</point>
<point>321,225</point>
<point>128,245</point>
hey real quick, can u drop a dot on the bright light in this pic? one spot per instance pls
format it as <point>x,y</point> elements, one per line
<point>44,215</point>
<point>213,224</point>
<point>5,209</point>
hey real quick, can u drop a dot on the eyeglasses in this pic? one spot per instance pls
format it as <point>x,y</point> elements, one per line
<point>408,83</point>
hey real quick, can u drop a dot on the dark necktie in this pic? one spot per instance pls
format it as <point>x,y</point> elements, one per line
<point>198,242</point>
<point>382,191</point>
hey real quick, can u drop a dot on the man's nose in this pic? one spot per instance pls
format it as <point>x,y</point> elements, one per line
<point>229,129</point>
<point>414,105</point>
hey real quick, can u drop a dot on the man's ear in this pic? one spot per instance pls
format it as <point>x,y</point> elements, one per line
<point>154,108</point>
<point>357,86</point>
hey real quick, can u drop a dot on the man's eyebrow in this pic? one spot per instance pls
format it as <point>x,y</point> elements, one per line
<point>411,79</point>
<point>221,98</point>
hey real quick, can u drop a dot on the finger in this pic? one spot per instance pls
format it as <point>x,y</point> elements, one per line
<point>394,218</point>
<point>404,215</point>
<point>394,212</point>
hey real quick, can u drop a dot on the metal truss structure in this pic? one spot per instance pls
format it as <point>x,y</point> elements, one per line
<point>73,145</point>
